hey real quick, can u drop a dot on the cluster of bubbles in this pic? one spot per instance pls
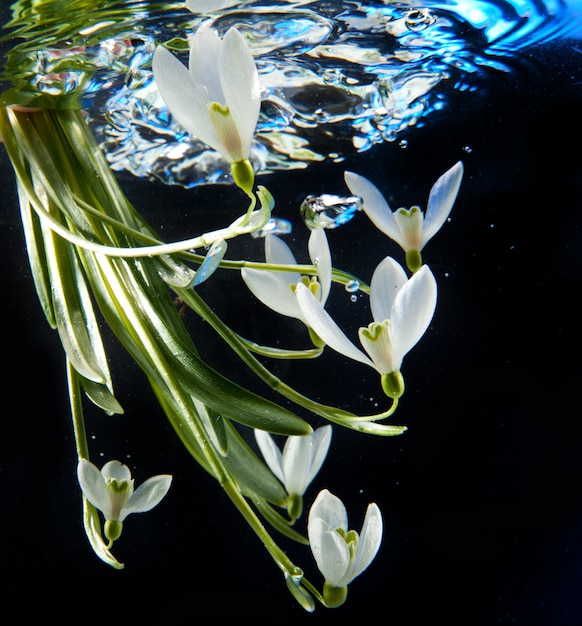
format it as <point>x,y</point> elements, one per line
<point>338,77</point>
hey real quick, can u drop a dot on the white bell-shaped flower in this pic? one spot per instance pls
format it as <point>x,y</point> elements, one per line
<point>217,98</point>
<point>111,490</point>
<point>298,463</point>
<point>402,309</point>
<point>341,554</point>
<point>409,228</point>
<point>277,289</point>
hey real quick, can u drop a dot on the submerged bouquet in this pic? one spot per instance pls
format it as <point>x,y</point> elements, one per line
<point>95,259</point>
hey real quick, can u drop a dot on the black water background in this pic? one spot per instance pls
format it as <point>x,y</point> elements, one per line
<point>481,497</point>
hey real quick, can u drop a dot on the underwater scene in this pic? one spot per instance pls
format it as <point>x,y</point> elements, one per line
<point>291,311</point>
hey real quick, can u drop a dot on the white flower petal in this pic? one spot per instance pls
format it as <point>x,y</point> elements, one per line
<point>184,99</point>
<point>240,84</point>
<point>296,463</point>
<point>323,325</point>
<point>320,442</point>
<point>147,495</point>
<point>369,541</point>
<point>221,71</point>
<point>271,453</point>
<point>410,224</point>
<point>273,291</point>
<point>330,551</point>
<point>116,470</point>
<point>387,280</point>
<point>320,256</point>
<point>376,340</point>
<point>300,460</point>
<point>205,53</point>
<point>412,313</point>
<point>374,206</point>
<point>440,202</point>
<point>330,509</point>
<point>278,252</point>
<point>94,487</point>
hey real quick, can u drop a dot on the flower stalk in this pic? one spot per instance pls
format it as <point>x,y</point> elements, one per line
<point>96,261</point>
<point>149,327</point>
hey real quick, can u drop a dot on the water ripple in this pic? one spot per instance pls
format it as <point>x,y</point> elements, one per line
<point>337,76</point>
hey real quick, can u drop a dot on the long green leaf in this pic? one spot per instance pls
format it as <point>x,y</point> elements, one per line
<point>74,315</point>
<point>36,256</point>
<point>195,375</point>
<point>101,395</point>
<point>214,425</point>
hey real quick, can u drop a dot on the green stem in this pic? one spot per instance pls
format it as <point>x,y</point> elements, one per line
<point>333,414</point>
<point>183,417</point>
<point>76,404</point>
<point>123,288</point>
<point>281,353</point>
<point>91,521</point>
<point>284,563</point>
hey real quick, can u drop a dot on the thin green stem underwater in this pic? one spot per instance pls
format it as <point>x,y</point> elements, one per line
<point>91,521</point>
<point>365,424</point>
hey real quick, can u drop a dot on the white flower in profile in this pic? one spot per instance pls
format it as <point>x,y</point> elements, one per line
<point>217,98</point>
<point>297,465</point>
<point>402,309</point>
<point>277,289</point>
<point>341,554</point>
<point>409,228</point>
<point>111,491</point>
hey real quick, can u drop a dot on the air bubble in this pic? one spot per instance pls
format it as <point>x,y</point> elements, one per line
<point>275,226</point>
<point>328,210</point>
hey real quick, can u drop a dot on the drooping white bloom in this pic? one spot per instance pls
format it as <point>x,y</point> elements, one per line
<point>402,308</point>
<point>217,98</point>
<point>111,490</point>
<point>341,554</point>
<point>301,459</point>
<point>277,289</point>
<point>409,228</point>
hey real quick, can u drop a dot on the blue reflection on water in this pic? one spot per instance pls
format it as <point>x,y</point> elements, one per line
<point>512,25</point>
<point>337,77</point>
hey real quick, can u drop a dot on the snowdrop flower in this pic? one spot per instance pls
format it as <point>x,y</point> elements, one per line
<point>402,309</point>
<point>297,465</point>
<point>277,289</point>
<point>111,491</point>
<point>217,98</point>
<point>409,228</point>
<point>341,554</point>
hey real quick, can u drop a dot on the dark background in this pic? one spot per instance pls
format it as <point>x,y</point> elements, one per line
<point>481,497</point>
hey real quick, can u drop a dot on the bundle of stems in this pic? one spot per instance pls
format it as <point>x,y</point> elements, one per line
<point>95,260</point>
